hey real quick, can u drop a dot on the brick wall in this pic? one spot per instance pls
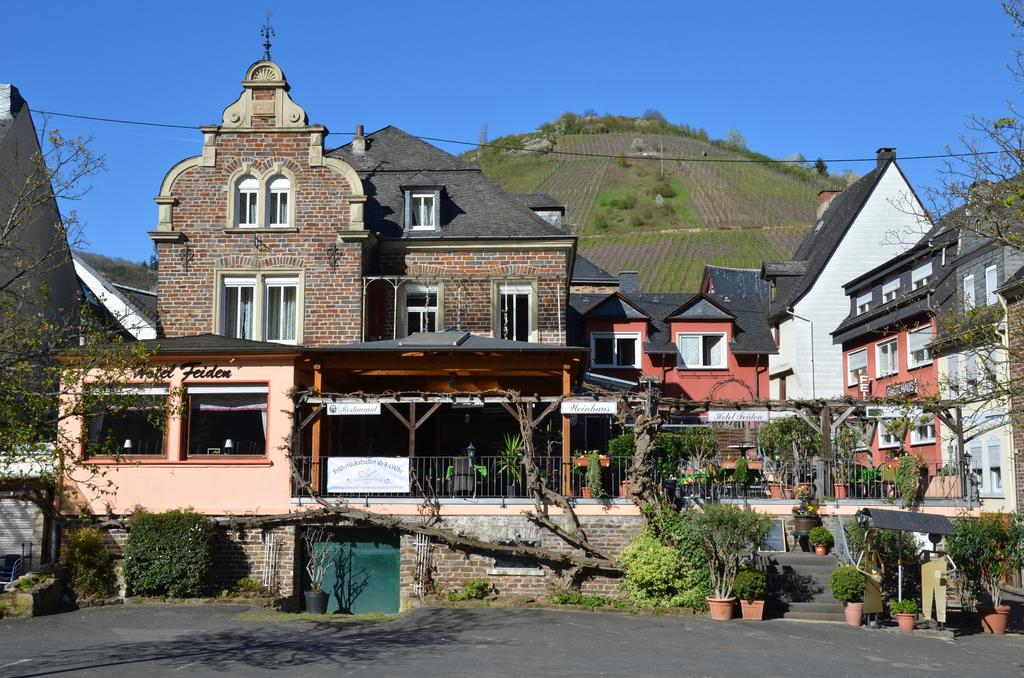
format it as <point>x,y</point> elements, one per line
<point>1015,335</point>
<point>468,301</point>
<point>332,309</point>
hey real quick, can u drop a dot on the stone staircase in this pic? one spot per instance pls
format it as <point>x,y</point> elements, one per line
<point>798,587</point>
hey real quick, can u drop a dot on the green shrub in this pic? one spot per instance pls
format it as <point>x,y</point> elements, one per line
<point>820,536</point>
<point>595,476</point>
<point>730,534</point>
<point>248,586</point>
<point>666,565</point>
<point>168,554</point>
<point>905,606</point>
<point>576,598</point>
<point>623,445</point>
<point>473,589</point>
<point>847,584</point>
<point>751,584</point>
<point>742,473</point>
<point>88,568</point>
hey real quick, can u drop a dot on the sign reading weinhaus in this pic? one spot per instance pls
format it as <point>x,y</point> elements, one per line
<point>368,475</point>
<point>353,408</point>
<point>590,406</point>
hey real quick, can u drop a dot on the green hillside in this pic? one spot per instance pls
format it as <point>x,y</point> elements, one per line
<point>725,213</point>
<point>121,271</point>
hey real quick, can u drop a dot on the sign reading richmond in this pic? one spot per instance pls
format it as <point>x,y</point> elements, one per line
<point>368,475</point>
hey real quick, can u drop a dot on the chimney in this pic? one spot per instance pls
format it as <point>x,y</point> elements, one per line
<point>629,282</point>
<point>824,200</point>
<point>884,155</point>
<point>359,141</point>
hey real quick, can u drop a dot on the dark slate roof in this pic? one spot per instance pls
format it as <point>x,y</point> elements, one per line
<point>213,344</point>
<point>744,293</point>
<point>445,341</point>
<point>1013,282</point>
<point>908,521</point>
<point>17,102</point>
<point>617,307</point>
<point>144,301</point>
<point>700,308</point>
<point>473,205</point>
<point>818,245</point>
<point>751,336</point>
<point>585,271</point>
<point>744,282</point>
<point>895,313</point>
<point>773,269</point>
<point>540,201</point>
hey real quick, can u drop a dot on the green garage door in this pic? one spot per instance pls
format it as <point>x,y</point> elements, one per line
<point>363,575</point>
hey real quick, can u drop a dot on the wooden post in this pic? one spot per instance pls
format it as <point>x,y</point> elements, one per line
<point>314,465</point>
<point>566,433</point>
<point>412,430</point>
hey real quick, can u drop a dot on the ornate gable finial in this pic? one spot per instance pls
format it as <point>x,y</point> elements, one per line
<point>267,32</point>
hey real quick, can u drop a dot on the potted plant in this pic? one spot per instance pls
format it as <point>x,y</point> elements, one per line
<point>599,459</point>
<point>847,585</point>
<point>510,463</point>
<point>848,438</point>
<point>318,556</point>
<point>822,539</point>
<point>595,478</point>
<point>905,612</point>
<point>751,587</point>
<point>741,475</point>
<point>805,519</point>
<point>987,551</point>
<point>730,534</point>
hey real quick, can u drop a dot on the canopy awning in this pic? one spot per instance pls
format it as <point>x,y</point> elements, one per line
<point>906,521</point>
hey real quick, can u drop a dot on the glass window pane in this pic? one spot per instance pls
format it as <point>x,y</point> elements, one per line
<point>227,423</point>
<point>713,351</point>
<point>522,317</point>
<point>128,429</point>
<point>689,351</point>
<point>245,312</point>
<point>288,311</point>
<point>603,351</point>
<point>625,351</point>
<point>231,312</point>
<point>273,313</point>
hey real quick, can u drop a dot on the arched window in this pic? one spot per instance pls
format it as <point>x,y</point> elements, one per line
<point>279,201</point>
<point>248,191</point>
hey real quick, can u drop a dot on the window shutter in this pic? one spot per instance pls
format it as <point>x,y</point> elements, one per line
<point>857,361</point>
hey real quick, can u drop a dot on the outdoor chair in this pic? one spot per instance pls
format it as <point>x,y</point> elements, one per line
<point>11,568</point>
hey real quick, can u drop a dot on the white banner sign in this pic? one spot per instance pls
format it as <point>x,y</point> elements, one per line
<point>590,406</point>
<point>353,408</point>
<point>737,415</point>
<point>368,475</point>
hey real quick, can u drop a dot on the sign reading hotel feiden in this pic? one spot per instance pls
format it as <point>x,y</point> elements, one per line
<point>353,408</point>
<point>737,415</point>
<point>368,475</point>
<point>590,406</point>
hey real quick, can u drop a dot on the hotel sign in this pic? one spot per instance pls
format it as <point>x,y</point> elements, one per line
<point>903,388</point>
<point>353,408</point>
<point>590,406</point>
<point>368,475</point>
<point>737,415</point>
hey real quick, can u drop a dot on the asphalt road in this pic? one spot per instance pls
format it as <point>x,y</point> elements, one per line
<point>212,640</point>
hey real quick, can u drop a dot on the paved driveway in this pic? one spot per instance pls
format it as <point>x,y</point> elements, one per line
<point>210,640</point>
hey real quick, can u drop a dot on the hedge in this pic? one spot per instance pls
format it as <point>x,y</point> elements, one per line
<point>168,554</point>
<point>88,568</point>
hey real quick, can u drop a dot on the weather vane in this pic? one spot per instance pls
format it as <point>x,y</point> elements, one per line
<point>267,31</point>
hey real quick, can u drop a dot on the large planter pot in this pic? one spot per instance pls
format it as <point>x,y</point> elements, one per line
<point>788,493</point>
<point>994,619</point>
<point>820,550</point>
<point>802,525</point>
<point>841,492</point>
<point>586,492</point>
<point>585,461</point>
<point>316,602</point>
<point>906,621</point>
<point>774,491</point>
<point>721,608</point>
<point>854,613</point>
<point>625,486</point>
<point>753,610</point>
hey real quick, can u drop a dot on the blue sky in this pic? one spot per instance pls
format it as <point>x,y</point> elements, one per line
<point>830,79</point>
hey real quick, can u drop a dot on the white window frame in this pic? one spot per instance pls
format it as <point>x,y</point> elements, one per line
<point>890,290</point>
<point>725,351</point>
<point>991,283</point>
<point>969,296</point>
<point>234,285</point>
<point>423,210</point>
<point>921,276</point>
<point>515,289</point>
<point>883,433</point>
<point>281,282</point>
<point>915,436</point>
<point>851,380</point>
<point>249,186</point>
<point>615,336</point>
<point>863,303</point>
<point>260,283</point>
<point>894,342</point>
<point>420,288</point>
<point>911,362</point>
<point>278,186</point>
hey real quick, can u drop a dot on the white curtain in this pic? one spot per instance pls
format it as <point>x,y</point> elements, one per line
<point>689,350</point>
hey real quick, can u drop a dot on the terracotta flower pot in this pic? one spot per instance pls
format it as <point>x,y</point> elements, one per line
<point>774,491</point>
<point>753,610</point>
<point>854,613</point>
<point>906,621</point>
<point>721,608</point>
<point>841,492</point>
<point>820,550</point>
<point>624,488</point>
<point>586,492</point>
<point>994,619</point>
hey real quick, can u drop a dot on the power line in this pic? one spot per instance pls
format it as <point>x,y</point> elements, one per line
<point>578,154</point>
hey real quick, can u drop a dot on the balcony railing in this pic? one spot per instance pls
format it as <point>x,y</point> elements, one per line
<point>489,478</point>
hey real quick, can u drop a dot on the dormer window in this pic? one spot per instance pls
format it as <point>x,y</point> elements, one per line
<point>280,194</point>
<point>422,209</point>
<point>890,290</point>
<point>248,194</point>
<point>921,275</point>
<point>863,303</point>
